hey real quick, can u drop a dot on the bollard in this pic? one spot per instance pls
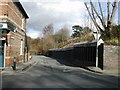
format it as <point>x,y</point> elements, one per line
<point>14,64</point>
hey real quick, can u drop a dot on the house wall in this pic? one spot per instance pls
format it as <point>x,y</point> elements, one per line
<point>11,13</point>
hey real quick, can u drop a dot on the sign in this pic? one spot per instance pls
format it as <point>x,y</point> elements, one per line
<point>3,38</point>
<point>7,26</point>
<point>11,27</point>
<point>3,25</point>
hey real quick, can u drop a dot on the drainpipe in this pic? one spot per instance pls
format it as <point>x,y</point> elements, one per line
<point>25,47</point>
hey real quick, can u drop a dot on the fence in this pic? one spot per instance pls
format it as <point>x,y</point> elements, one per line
<point>82,54</point>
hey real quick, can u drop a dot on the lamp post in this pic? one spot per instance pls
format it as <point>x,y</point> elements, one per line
<point>97,36</point>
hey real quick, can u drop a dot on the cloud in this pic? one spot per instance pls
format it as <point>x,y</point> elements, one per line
<point>57,12</point>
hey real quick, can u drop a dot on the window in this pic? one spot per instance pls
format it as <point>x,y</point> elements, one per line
<point>23,22</point>
<point>21,47</point>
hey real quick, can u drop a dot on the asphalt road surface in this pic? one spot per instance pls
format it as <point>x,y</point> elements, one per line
<point>50,73</point>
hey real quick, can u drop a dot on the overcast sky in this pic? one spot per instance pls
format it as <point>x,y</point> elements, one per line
<point>57,12</point>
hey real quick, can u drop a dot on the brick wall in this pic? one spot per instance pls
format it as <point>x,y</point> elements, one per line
<point>14,14</point>
<point>11,13</point>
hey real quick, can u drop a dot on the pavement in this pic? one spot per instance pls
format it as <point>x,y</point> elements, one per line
<point>112,72</point>
<point>21,66</point>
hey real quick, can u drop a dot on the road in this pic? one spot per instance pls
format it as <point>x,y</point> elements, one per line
<point>50,73</point>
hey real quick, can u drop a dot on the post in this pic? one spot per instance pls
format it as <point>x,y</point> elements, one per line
<point>97,38</point>
<point>97,49</point>
<point>14,63</point>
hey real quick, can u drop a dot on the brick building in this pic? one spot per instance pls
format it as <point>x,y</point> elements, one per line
<point>12,32</point>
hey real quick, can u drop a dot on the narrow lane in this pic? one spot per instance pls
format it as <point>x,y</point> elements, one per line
<point>49,73</point>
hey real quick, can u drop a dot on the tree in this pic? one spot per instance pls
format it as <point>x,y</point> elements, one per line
<point>62,34</point>
<point>47,43</point>
<point>115,31</point>
<point>48,30</point>
<point>86,30</point>
<point>34,45</point>
<point>105,24</point>
<point>76,31</point>
<point>47,40</point>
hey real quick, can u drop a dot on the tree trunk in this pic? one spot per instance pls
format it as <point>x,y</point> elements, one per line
<point>107,32</point>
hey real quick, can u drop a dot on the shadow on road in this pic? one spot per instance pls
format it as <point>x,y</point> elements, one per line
<point>44,77</point>
<point>75,63</point>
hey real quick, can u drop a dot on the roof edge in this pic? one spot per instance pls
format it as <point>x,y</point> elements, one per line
<point>20,7</point>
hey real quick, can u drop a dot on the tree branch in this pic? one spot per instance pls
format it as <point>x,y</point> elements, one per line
<point>108,11</point>
<point>103,20</point>
<point>113,10</point>
<point>97,14</point>
<point>93,18</point>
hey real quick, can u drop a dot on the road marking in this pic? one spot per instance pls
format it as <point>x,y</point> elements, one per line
<point>29,67</point>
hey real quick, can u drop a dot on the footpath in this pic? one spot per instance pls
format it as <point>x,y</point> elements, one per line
<point>21,66</point>
<point>105,71</point>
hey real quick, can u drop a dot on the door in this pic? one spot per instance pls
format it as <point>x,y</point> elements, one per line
<point>1,51</point>
<point>1,54</point>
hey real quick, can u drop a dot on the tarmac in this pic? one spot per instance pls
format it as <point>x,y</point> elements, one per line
<point>22,66</point>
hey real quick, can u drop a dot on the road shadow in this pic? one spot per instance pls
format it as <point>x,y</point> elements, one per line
<point>44,77</point>
<point>75,63</point>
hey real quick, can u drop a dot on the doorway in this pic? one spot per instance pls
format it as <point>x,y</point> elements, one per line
<point>2,52</point>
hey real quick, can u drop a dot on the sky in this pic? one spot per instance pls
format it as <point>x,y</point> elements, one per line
<point>56,12</point>
<point>119,12</point>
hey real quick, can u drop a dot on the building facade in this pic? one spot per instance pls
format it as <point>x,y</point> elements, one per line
<point>12,32</point>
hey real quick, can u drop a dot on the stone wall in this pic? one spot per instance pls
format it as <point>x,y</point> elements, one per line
<point>111,58</point>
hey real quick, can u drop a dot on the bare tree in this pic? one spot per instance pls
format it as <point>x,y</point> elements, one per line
<point>104,26</point>
<point>63,33</point>
<point>48,30</point>
<point>47,40</point>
